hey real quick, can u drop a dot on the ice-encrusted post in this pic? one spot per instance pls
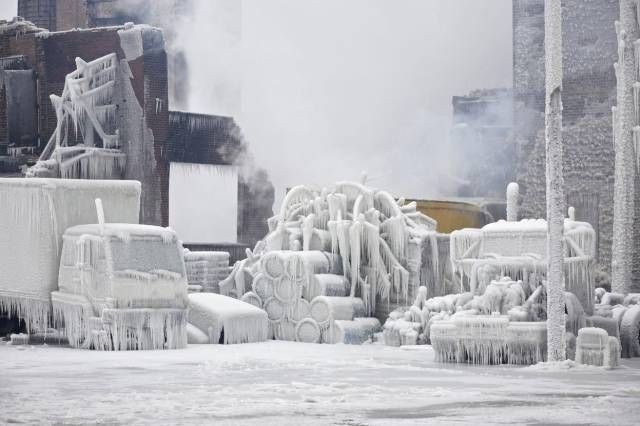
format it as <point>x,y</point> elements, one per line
<point>513,192</point>
<point>555,194</point>
<point>625,155</point>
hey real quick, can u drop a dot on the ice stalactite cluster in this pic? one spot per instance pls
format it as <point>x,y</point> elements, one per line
<point>345,252</point>
<point>86,110</point>
<point>34,213</point>
<point>519,250</point>
<point>626,137</point>
<point>505,323</point>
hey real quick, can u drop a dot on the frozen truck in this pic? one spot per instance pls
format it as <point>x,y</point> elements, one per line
<point>114,284</point>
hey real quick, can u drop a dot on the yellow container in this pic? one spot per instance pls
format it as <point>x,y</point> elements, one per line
<point>453,215</point>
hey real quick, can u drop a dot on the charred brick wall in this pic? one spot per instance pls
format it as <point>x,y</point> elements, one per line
<point>55,15</point>
<point>589,89</point>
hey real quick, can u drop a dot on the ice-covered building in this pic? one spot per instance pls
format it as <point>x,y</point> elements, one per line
<point>589,92</point>
<point>131,72</point>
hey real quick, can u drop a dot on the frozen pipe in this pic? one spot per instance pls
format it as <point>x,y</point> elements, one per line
<point>324,308</point>
<point>327,285</point>
<point>513,192</point>
<point>100,212</point>
<point>355,332</point>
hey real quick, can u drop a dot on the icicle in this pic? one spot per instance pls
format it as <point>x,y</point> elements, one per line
<point>614,124</point>
<point>513,191</point>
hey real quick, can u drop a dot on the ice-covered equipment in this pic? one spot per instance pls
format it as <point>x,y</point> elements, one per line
<point>34,214</point>
<point>353,243</point>
<point>595,347</point>
<point>86,109</point>
<point>122,287</point>
<point>227,320</point>
<point>519,250</point>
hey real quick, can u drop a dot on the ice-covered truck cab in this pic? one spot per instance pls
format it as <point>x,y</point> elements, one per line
<point>122,286</point>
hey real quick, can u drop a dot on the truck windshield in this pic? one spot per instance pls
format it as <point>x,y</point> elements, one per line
<point>145,255</point>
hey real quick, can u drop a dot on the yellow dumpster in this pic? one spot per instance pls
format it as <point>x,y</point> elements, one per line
<point>453,215</point>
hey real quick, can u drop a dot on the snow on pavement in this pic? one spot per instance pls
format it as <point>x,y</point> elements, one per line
<point>284,383</point>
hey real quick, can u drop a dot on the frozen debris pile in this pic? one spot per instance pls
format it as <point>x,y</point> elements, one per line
<point>519,250</point>
<point>205,269</point>
<point>34,214</point>
<point>355,242</point>
<point>86,109</point>
<point>223,319</point>
<point>619,315</point>
<point>595,347</point>
<point>122,287</point>
<point>505,324</point>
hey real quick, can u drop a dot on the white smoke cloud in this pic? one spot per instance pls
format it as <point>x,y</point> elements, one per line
<point>324,89</point>
<point>332,88</point>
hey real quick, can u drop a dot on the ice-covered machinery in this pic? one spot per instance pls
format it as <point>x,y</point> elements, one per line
<point>85,143</point>
<point>519,250</point>
<point>34,214</point>
<point>122,287</point>
<point>205,270</point>
<point>333,257</point>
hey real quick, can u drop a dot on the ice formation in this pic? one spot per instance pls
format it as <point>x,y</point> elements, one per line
<point>205,269</point>
<point>122,287</point>
<point>227,320</point>
<point>595,347</point>
<point>626,146</point>
<point>555,194</point>
<point>86,110</point>
<point>34,214</point>
<point>350,253</point>
<point>519,250</point>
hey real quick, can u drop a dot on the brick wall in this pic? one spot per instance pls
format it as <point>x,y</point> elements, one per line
<point>42,13</point>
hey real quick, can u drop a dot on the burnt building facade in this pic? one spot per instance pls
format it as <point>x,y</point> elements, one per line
<point>34,64</point>
<point>589,92</point>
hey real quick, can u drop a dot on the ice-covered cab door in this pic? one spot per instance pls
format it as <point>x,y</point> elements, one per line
<point>69,275</point>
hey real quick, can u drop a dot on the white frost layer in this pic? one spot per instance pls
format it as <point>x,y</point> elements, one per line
<point>34,213</point>
<point>240,321</point>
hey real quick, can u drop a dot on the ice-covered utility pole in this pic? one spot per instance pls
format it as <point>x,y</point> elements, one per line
<point>626,134</point>
<point>555,194</point>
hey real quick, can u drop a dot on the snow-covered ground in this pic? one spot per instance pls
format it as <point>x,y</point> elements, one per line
<point>285,383</point>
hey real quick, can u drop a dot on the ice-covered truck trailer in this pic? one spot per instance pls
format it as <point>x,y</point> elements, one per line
<point>114,285</point>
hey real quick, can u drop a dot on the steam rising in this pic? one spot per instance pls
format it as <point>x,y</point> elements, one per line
<point>331,88</point>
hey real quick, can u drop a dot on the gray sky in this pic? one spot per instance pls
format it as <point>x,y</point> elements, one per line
<point>334,87</point>
<point>8,9</point>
